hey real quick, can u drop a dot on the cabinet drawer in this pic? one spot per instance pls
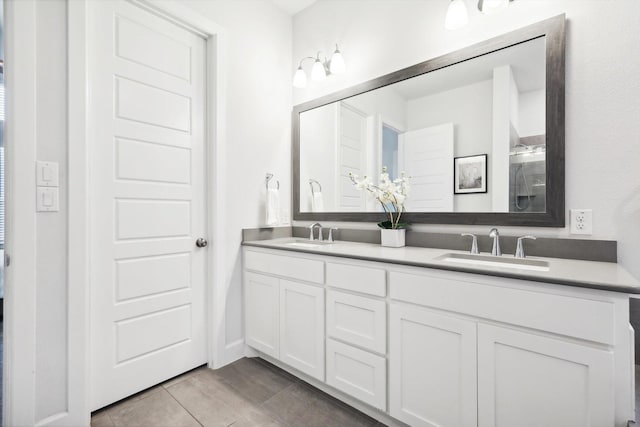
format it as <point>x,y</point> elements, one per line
<point>358,373</point>
<point>308,270</point>
<point>357,320</point>
<point>565,315</point>
<point>367,280</point>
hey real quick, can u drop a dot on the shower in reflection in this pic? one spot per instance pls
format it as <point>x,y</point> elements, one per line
<point>527,178</point>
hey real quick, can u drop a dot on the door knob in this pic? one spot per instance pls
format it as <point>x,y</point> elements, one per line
<point>202,243</point>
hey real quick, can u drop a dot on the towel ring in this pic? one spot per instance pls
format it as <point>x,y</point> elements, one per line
<point>313,181</point>
<point>269,177</point>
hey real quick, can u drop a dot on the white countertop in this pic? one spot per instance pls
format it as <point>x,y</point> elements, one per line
<point>587,274</point>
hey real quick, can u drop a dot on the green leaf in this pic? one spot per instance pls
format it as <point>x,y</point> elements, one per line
<point>387,225</point>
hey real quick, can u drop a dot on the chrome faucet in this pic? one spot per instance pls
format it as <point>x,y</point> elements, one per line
<point>312,227</point>
<point>520,247</point>
<point>474,243</point>
<point>331,230</point>
<point>495,249</point>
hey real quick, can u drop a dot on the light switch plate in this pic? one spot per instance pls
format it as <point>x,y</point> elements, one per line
<point>47,199</point>
<point>47,174</point>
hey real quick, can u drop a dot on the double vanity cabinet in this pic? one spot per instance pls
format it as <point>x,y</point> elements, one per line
<point>435,347</point>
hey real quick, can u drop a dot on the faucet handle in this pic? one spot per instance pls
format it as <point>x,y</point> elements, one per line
<point>474,243</point>
<point>520,246</point>
<point>330,239</point>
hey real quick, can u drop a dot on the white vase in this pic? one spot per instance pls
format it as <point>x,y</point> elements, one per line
<point>392,238</point>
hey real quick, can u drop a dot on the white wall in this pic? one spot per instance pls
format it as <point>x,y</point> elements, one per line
<point>469,108</point>
<point>318,154</point>
<point>387,102</point>
<point>258,128</point>
<point>602,88</point>
<point>505,119</point>
<point>51,228</point>
<point>531,113</point>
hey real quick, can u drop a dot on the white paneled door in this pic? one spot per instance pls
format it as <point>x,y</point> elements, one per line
<point>351,157</point>
<point>426,155</point>
<point>148,208</point>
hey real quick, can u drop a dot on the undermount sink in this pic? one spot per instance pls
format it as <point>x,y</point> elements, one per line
<point>495,261</point>
<point>305,243</point>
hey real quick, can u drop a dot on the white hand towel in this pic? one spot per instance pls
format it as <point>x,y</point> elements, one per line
<point>273,206</point>
<point>317,202</point>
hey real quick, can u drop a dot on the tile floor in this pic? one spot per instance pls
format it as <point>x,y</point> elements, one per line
<point>249,392</point>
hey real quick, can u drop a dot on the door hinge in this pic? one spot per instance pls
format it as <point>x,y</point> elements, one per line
<point>7,260</point>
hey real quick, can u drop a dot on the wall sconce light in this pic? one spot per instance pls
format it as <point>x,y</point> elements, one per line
<point>491,6</point>
<point>320,69</point>
<point>457,16</point>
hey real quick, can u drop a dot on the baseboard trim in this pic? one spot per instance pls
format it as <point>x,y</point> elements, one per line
<point>233,351</point>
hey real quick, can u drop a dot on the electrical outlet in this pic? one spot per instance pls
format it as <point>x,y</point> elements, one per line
<point>581,221</point>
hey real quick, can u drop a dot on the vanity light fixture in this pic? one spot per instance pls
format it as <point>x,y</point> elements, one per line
<point>320,69</point>
<point>457,16</point>
<point>492,6</point>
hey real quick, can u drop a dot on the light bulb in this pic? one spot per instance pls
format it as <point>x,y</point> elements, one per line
<point>300,78</point>
<point>457,16</point>
<point>491,6</point>
<point>318,72</point>
<point>337,65</point>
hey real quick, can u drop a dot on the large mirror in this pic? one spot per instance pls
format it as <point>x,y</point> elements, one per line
<point>479,132</point>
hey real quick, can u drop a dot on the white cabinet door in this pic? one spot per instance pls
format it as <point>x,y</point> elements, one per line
<point>302,327</point>
<point>358,373</point>
<point>262,307</point>
<point>432,362</point>
<point>530,380</point>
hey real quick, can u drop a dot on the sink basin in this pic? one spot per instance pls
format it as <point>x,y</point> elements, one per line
<point>494,261</point>
<point>305,243</point>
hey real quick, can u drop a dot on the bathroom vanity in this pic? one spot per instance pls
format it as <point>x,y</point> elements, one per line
<point>412,335</point>
<point>440,337</point>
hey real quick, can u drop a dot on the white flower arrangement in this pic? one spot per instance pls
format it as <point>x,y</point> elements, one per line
<point>392,195</point>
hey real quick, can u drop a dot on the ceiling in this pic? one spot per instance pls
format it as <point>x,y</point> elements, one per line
<point>527,62</point>
<point>293,6</point>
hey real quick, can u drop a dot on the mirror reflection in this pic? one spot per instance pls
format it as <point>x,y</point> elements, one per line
<point>471,137</point>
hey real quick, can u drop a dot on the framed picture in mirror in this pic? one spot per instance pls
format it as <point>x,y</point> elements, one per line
<point>470,174</point>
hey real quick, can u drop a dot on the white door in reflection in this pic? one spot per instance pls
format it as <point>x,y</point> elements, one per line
<point>352,157</point>
<point>426,156</point>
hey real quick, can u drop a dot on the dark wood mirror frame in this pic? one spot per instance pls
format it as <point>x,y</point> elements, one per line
<point>553,29</point>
